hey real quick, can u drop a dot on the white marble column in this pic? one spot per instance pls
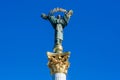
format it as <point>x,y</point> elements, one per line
<point>59,76</point>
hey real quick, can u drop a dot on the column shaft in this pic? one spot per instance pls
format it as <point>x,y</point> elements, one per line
<point>59,76</point>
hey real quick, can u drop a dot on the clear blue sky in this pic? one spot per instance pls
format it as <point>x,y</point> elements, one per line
<point>92,36</point>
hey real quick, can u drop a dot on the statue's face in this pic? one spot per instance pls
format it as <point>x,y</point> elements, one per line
<point>58,17</point>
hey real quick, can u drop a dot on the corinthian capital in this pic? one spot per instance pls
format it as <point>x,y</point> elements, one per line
<point>58,62</point>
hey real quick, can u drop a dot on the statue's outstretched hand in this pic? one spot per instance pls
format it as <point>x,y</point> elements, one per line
<point>69,13</point>
<point>44,16</point>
